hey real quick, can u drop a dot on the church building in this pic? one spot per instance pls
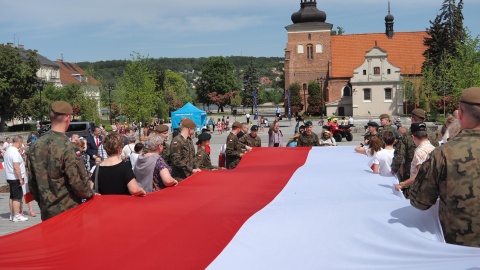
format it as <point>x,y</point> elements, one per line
<point>359,74</point>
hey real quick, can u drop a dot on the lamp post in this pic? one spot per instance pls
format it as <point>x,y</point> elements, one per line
<point>305,97</point>
<point>109,87</point>
<point>321,80</point>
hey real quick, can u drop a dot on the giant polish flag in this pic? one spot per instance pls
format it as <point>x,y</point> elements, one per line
<point>281,208</point>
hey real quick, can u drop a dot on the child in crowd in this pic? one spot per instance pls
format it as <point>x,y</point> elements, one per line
<point>383,159</point>
<point>134,156</point>
<point>374,146</point>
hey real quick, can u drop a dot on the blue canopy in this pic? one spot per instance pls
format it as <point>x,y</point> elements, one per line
<point>189,111</point>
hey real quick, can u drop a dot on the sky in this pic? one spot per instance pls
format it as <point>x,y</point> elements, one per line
<point>98,30</point>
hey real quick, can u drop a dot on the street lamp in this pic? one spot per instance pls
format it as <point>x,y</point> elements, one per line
<point>321,81</point>
<point>305,97</point>
<point>109,88</point>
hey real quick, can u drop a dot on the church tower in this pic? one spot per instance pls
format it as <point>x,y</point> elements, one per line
<point>308,53</point>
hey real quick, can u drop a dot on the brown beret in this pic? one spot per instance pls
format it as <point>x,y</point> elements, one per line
<point>188,123</point>
<point>384,115</point>
<point>419,113</point>
<point>61,107</point>
<point>161,128</point>
<point>471,96</point>
<point>236,124</point>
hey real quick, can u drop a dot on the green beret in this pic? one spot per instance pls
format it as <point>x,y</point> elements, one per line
<point>61,107</point>
<point>161,128</point>
<point>372,124</point>
<point>471,96</point>
<point>419,113</point>
<point>188,123</point>
<point>308,123</point>
<point>204,136</point>
<point>254,128</point>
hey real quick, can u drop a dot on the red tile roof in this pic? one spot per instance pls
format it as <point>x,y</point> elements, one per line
<point>404,50</point>
<point>68,69</point>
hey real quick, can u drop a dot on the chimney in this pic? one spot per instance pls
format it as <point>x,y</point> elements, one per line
<point>21,47</point>
<point>10,44</point>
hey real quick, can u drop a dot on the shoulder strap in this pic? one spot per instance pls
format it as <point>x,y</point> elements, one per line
<point>97,168</point>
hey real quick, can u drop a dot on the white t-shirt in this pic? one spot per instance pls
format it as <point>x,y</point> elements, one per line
<point>247,115</point>
<point>384,159</point>
<point>13,155</point>
<point>133,159</point>
<point>128,149</point>
<point>6,145</point>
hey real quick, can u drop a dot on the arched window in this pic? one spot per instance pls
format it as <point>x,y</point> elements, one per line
<point>309,51</point>
<point>300,48</point>
<point>309,36</point>
<point>304,86</point>
<point>346,91</point>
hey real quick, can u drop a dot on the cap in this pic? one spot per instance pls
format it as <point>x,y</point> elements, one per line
<point>188,123</point>
<point>161,128</point>
<point>471,96</point>
<point>419,113</point>
<point>326,131</point>
<point>308,123</point>
<point>204,136</point>
<point>383,115</point>
<point>418,127</point>
<point>254,128</point>
<point>61,107</point>
<point>236,124</point>
<point>372,124</point>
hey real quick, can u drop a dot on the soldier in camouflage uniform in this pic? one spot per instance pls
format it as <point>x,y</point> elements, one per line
<point>57,178</point>
<point>452,173</point>
<point>372,130</point>
<point>162,130</point>
<point>308,138</point>
<point>252,139</point>
<point>235,148</point>
<point>203,157</point>
<point>405,147</point>
<point>182,152</point>
<point>386,124</point>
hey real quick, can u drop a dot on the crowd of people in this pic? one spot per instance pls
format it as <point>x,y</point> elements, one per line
<point>434,167</point>
<point>63,172</point>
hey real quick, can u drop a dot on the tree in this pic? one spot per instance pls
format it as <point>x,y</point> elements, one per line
<point>137,86</point>
<point>445,35</point>
<point>218,76</point>
<point>250,85</point>
<point>337,32</point>
<point>18,80</point>
<point>314,98</point>
<point>295,99</point>
<point>222,100</point>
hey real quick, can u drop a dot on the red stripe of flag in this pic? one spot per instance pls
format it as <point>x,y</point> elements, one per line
<point>184,227</point>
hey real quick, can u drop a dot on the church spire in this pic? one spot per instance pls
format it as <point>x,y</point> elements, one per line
<point>308,13</point>
<point>389,23</point>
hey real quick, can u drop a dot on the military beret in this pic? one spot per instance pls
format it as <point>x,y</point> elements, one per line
<point>372,124</point>
<point>418,127</point>
<point>254,128</point>
<point>188,123</point>
<point>308,123</point>
<point>204,137</point>
<point>236,124</point>
<point>383,115</point>
<point>419,113</point>
<point>161,128</point>
<point>61,107</point>
<point>471,96</point>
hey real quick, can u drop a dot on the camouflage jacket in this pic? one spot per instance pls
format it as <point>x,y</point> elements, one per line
<point>387,128</point>
<point>182,156</point>
<point>308,140</point>
<point>233,151</point>
<point>404,151</point>
<point>452,173</point>
<point>247,139</point>
<point>166,153</point>
<point>56,172</point>
<point>203,160</point>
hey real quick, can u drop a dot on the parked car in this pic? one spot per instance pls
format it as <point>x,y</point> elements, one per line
<point>80,128</point>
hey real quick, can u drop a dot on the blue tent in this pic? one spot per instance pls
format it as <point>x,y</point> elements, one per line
<point>189,111</point>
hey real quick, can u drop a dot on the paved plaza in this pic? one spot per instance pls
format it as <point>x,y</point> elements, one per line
<point>287,128</point>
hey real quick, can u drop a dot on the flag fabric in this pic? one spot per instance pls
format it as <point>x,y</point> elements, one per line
<point>281,208</point>
<point>289,105</point>
<point>27,196</point>
<point>254,94</point>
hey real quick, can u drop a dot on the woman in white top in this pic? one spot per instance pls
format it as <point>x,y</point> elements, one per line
<point>326,139</point>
